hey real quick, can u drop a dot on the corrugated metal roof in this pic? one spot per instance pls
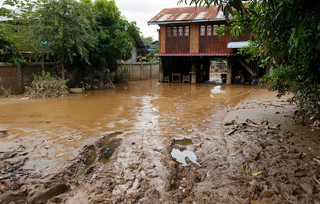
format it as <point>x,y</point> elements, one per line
<point>238,44</point>
<point>195,54</point>
<point>141,46</point>
<point>173,15</point>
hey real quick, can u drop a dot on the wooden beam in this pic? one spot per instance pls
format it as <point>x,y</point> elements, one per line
<point>162,40</point>
<point>229,72</point>
<point>245,65</point>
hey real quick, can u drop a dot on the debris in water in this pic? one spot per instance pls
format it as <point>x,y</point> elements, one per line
<point>314,177</point>
<point>317,160</point>
<point>232,131</point>
<point>227,123</point>
<point>180,156</point>
<point>257,174</point>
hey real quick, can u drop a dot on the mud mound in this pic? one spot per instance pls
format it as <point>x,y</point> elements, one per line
<point>252,163</point>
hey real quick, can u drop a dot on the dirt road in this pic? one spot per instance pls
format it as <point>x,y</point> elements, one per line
<point>167,143</point>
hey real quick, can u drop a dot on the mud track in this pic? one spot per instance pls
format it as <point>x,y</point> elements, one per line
<point>248,161</point>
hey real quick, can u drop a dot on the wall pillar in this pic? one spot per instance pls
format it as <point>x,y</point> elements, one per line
<point>161,70</point>
<point>20,78</point>
<point>229,71</point>
<point>193,73</point>
<point>150,71</point>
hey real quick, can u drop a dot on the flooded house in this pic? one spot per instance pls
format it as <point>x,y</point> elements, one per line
<point>191,51</point>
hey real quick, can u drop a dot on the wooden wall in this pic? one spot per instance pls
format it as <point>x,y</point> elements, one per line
<point>178,38</point>
<point>194,42</point>
<point>197,40</point>
<point>162,40</point>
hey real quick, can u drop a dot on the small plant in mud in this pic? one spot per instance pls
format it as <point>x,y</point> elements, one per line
<point>5,93</point>
<point>47,86</point>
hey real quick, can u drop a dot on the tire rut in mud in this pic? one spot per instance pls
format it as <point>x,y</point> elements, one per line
<point>26,186</point>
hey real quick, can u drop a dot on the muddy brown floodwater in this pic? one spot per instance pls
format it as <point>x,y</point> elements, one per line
<point>146,142</point>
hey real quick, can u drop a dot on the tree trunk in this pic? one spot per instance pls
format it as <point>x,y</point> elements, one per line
<point>62,61</point>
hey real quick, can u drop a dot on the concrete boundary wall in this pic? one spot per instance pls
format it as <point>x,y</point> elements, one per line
<point>141,71</point>
<point>16,76</point>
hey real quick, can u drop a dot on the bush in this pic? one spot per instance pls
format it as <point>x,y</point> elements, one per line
<point>47,86</point>
<point>6,93</point>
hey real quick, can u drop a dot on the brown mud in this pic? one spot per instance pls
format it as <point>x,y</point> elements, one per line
<point>158,143</point>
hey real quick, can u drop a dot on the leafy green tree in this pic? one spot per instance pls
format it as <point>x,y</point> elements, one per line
<point>286,37</point>
<point>8,51</point>
<point>15,29</point>
<point>93,35</point>
<point>66,26</point>
<point>116,38</point>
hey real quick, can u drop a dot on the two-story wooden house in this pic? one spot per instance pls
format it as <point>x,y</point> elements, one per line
<point>191,51</point>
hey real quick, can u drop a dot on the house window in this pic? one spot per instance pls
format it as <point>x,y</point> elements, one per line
<point>174,34</point>
<point>186,31</point>
<point>214,30</point>
<point>202,30</point>
<point>209,30</point>
<point>169,31</point>
<point>180,31</point>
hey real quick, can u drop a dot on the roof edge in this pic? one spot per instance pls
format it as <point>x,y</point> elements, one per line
<point>219,54</point>
<point>189,21</point>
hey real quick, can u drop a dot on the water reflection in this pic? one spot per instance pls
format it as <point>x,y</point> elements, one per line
<point>216,90</point>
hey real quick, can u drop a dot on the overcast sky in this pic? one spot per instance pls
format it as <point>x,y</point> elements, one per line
<point>142,11</point>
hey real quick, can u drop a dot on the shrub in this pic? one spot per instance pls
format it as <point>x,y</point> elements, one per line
<point>6,93</point>
<point>47,86</point>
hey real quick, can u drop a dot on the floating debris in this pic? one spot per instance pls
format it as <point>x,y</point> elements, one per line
<point>317,160</point>
<point>181,156</point>
<point>257,174</point>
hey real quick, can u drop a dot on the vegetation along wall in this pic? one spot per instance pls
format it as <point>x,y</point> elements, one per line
<point>16,76</point>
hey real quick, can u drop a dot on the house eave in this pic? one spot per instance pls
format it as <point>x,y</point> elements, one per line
<point>188,21</point>
<point>195,54</point>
